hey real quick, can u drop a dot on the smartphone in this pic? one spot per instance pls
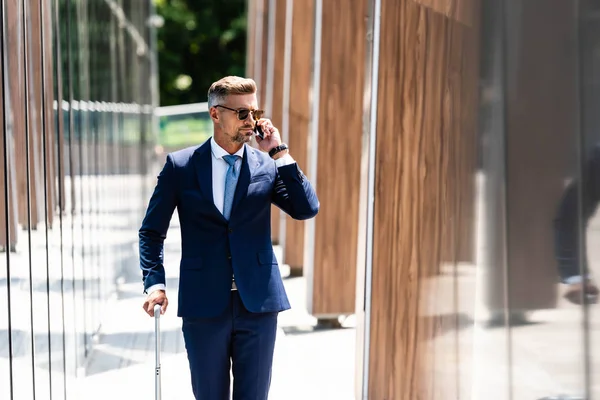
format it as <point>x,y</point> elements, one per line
<point>258,131</point>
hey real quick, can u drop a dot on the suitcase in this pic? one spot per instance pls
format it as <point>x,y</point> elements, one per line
<point>157,388</point>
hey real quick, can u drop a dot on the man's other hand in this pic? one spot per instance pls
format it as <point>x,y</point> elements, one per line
<point>588,289</point>
<point>156,297</point>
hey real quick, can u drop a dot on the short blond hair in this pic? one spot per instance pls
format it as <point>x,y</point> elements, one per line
<point>228,85</point>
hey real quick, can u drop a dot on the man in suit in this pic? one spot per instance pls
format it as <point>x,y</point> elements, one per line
<point>230,287</point>
<point>578,204</point>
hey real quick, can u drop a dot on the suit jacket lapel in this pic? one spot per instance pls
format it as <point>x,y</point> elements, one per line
<point>249,162</point>
<point>203,164</point>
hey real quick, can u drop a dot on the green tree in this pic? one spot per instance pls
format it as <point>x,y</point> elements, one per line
<point>200,42</point>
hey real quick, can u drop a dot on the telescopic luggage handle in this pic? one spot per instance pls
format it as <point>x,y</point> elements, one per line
<point>157,371</point>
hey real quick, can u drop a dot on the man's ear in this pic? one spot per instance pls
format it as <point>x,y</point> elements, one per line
<point>214,114</point>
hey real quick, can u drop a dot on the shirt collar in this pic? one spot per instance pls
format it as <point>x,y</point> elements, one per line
<point>218,152</point>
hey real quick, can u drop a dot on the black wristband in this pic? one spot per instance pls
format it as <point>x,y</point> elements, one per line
<point>277,149</point>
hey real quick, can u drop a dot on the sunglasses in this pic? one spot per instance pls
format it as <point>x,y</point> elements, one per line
<point>242,113</point>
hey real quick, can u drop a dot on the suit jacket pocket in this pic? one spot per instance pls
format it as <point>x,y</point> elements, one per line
<point>260,189</point>
<point>260,178</point>
<point>266,257</point>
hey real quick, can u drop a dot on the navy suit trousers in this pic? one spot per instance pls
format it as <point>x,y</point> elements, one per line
<point>238,339</point>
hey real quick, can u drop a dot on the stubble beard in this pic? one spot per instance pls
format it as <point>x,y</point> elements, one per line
<point>240,137</point>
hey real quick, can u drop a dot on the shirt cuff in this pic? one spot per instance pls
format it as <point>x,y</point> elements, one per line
<point>574,279</point>
<point>153,288</point>
<point>285,160</point>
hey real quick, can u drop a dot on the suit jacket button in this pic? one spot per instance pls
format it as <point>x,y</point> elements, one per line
<point>230,230</point>
<point>229,256</point>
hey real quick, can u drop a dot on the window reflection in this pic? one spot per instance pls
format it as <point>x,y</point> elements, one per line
<point>523,312</point>
<point>70,164</point>
<point>540,178</point>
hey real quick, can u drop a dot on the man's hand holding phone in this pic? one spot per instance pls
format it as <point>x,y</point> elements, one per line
<point>270,135</point>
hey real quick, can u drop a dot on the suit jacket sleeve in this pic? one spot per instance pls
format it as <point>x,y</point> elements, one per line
<point>294,194</point>
<point>155,225</point>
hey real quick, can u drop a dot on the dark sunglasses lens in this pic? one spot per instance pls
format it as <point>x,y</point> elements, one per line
<point>243,114</point>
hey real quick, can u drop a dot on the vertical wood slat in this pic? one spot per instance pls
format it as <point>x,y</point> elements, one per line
<point>10,133</point>
<point>23,96</point>
<point>458,212</point>
<point>260,72</point>
<point>251,22</point>
<point>276,106</point>
<point>51,177</point>
<point>452,292</point>
<point>425,128</point>
<point>299,116</point>
<point>3,236</point>
<point>263,54</point>
<point>331,237</point>
<point>59,146</point>
<point>16,72</point>
<point>463,11</point>
<point>73,92</point>
<point>34,71</point>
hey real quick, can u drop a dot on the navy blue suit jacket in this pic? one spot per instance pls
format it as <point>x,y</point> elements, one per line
<point>213,249</point>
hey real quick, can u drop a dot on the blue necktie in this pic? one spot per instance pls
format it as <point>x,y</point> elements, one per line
<point>230,182</point>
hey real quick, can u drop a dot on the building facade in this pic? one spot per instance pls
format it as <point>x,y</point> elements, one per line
<point>454,149</point>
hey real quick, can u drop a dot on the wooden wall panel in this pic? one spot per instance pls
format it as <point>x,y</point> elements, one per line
<point>303,24</point>
<point>338,146</point>
<point>426,122</point>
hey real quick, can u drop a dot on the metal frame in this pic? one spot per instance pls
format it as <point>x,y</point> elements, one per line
<point>313,152</point>
<point>365,265</point>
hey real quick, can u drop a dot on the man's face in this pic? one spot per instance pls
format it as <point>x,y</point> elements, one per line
<point>236,130</point>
